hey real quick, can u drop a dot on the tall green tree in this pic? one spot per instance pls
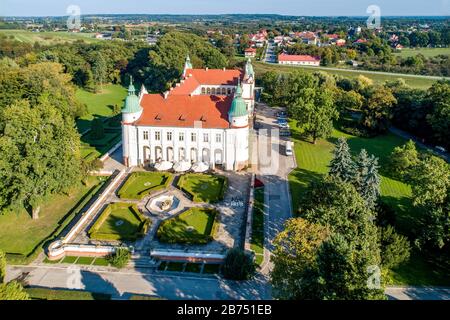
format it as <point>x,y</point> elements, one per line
<point>403,159</point>
<point>377,113</point>
<point>294,275</point>
<point>39,155</point>
<point>342,165</point>
<point>438,97</point>
<point>369,182</point>
<point>430,185</point>
<point>312,106</point>
<point>99,70</point>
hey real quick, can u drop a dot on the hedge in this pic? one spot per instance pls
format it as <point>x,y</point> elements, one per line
<point>145,223</point>
<point>38,293</point>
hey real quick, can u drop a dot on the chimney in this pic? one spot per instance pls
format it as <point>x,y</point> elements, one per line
<point>166,94</point>
<point>206,68</point>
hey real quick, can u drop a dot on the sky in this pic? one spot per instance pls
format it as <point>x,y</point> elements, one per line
<point>285,7</point>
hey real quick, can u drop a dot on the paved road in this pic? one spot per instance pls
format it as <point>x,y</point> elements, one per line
<point>273,171</point>
<point>121,284</point>
<point>418,293</point>
<point>405,75</point>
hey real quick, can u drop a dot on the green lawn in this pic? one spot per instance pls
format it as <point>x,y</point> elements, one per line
<point>204,187</point>
<point>119,221</point>
<point>312,161</point>
<point>19,234</point>
<point>427,52</point>
<point>141,184</point>
<point>49,38</point>
<point>100,104</point>
<point>257,240</point>
<point>414,82</point>
<point>195,226</point>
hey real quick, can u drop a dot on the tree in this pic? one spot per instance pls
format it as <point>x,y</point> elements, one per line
<point>97,129</point>
<point>395,248</point>
<point>369,181</point>
<point>312,106</point>
<point>403,159</point>
<point>12,291</point>
<point>39,155</point>
<point>238,265</point>
<point>377,113</point>
<point>2,266</point>
<point>349,100</point>
<point>120,258</point>
<point>99,69</point>
<point>294,259</point>
<point>438,97</point>
<point>345,269</point>
<point>430,183</point>
<point>342,165</point>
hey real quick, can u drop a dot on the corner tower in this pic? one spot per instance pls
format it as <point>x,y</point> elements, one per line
<point>131,112</point>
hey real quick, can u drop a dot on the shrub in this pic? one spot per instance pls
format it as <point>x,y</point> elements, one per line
<point>395,248</point>
<point>120,258</point>
<point>238,265</point>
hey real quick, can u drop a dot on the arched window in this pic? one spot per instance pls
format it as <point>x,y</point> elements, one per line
<point>203,90</point>
<point>213,91</point>
<point>208,91</point>
<point>224,91</point>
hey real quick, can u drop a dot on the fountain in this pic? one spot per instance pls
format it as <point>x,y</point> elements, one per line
<point>165,203</point>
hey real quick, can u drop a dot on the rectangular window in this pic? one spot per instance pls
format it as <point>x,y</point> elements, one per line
<point>205,137</point>
<point>158,136</point>
<point>169,136</point>
<point>145,135</point>
<point>193,137</point>
<point>181,137</point>
<point>218,138</point>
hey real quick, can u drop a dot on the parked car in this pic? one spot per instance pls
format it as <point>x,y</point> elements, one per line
<point>285,132</point>
<point>289,146</point>
<point>284,125</point>
<point>281,114</point>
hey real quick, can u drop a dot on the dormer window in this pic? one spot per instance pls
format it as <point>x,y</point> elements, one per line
<point>158,118</point>
<point>181,118</point>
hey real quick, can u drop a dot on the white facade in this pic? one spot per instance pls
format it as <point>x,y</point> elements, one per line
<point>228,148</point>
<point>301,63</point>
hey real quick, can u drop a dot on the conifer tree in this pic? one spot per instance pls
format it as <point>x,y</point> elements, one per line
<point>342,165</point>
<point>369,180</point>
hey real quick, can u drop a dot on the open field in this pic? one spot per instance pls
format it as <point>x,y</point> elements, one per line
<point>427,52</point>
<point>415,82</point>
<point>19,234</point>
<point>49,38</point>
<point>313,163</point>
<point>195,226</point>
<point>100,104</point>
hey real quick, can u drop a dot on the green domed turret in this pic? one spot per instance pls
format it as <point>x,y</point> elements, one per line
<point>238,106</point>
<point>132,101</point>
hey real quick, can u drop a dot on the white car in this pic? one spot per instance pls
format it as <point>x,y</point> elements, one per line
<point>442,149</point>
<point>289,146</point>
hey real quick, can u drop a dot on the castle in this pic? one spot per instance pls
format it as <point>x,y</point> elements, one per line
<point>203,118</point>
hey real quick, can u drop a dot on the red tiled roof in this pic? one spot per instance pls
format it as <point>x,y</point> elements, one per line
<point>185,111</point>
<point>289,57</point>
<point>250,50</point>
<point>215,76</point>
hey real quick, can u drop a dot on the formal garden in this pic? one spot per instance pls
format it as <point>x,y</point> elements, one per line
<point>203,187</point>
<point>120,222</point>
<point>141,184</point>
<point>194,226</point>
